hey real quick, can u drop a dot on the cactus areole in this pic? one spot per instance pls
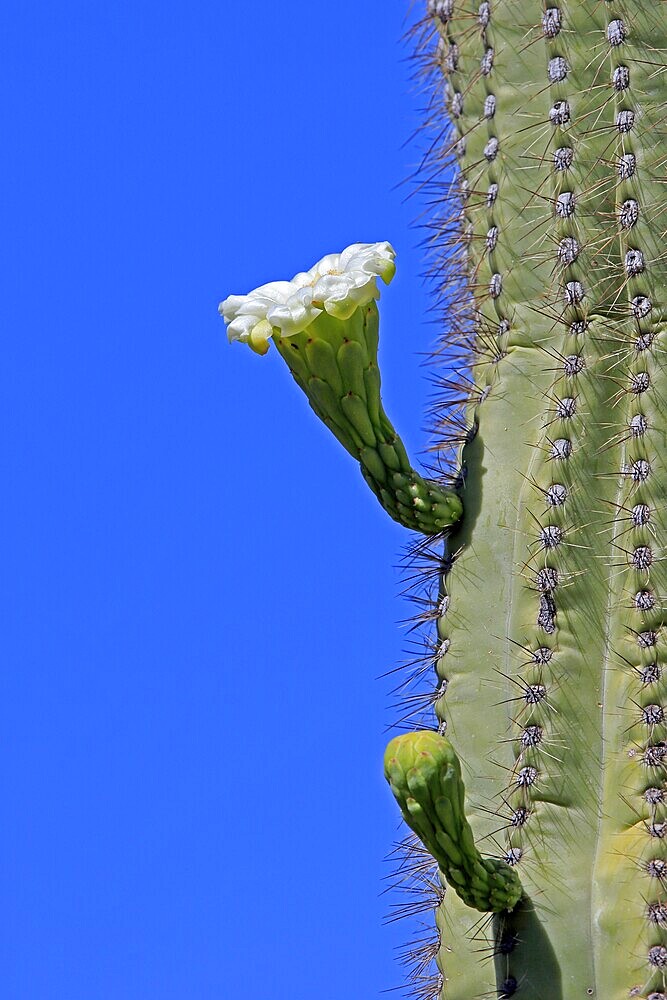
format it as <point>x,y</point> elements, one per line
<point>548,670</point>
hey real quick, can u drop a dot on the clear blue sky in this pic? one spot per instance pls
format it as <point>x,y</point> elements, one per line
<point>199,591</point>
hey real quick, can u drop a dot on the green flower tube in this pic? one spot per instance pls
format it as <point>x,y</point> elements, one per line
<point>324,323</point>
<point>424,773</point>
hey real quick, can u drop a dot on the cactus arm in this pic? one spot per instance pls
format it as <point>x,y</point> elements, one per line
<point>425,776</point>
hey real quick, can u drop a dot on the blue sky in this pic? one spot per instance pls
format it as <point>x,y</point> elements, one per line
<point>199,591</point>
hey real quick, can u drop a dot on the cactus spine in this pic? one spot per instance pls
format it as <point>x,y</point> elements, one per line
<point>549,648</point>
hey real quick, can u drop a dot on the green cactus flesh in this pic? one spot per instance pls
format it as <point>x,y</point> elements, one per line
<point>551,671</point>
<point>334,361</point>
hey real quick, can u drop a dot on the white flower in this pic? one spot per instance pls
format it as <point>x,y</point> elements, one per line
<point>337,284</point>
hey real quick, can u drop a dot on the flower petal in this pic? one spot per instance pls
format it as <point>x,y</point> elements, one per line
<point>338,283</point>
<point>295,314</point>
<point>240,327</point>
<point>259,337</point>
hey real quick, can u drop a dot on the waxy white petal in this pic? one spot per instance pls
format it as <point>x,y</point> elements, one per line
<point>339,284</point>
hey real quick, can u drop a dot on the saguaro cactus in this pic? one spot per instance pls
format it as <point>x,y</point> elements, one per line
<point>550,616</point>
<point>552,641</point>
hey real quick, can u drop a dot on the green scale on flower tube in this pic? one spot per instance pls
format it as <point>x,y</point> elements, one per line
<point>335,363</point>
